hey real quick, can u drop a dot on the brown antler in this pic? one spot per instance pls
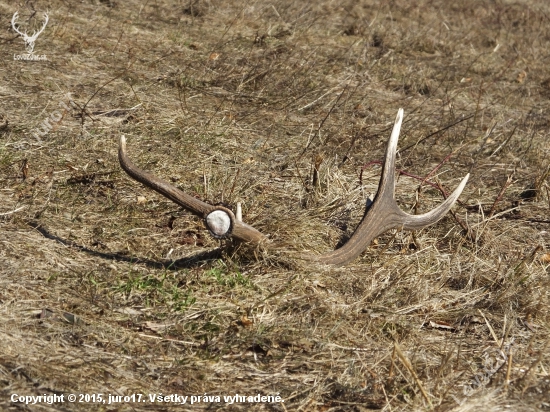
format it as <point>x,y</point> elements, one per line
<point>383,214</point>
<point>218,219</point>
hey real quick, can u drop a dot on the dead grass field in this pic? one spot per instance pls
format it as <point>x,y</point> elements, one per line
<point>106,287</point>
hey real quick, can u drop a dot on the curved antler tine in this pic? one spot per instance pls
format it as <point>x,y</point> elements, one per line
<point>219,220</point>
<point>415,222</point>
<point>386,187</point>
<point>190,203</point>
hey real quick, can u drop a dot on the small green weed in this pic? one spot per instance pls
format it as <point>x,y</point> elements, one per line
<point>225,277</point>
<point>158,290</point>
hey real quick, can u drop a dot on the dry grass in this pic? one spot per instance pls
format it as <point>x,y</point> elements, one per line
<point>234,101</point>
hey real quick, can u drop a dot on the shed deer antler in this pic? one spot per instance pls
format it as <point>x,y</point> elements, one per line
<point>29,40</point>
<point>384,213</point>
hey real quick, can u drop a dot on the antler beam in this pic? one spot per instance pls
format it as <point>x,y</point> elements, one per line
<point>220,221</point>
<point>384,213</point>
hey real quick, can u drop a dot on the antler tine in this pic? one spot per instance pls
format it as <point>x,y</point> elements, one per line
<point>386,186</point>
<point>415,222</point>
<point>219,220</point>
<point>190,203</point>
<point>384,213</point>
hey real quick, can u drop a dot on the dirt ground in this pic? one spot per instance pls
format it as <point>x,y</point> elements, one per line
<point>285,106</point>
